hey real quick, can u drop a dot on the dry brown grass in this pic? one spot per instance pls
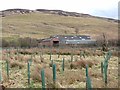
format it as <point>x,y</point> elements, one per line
<point>99,53</point>
<point>4,76</point>
<point>115,53</point>
<point>16,64</point>
<point>35,73</point>
<point>4,57</point>
<point>31,24</point>
<point>24,58</point>
<point>81,64</point>
<point>38,59</point>
<point>58,67</point>
<point>71,77</point>
<point>95,74</point>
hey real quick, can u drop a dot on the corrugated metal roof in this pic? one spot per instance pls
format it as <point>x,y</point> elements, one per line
<point>71,37</point>
<point>80,41</point>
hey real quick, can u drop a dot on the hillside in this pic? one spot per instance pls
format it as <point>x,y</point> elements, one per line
<point>43,23</point>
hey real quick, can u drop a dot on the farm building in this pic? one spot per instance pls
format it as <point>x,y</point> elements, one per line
<point>59,40</point>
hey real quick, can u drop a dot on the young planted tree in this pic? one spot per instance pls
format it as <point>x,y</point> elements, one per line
<point>104,45</point>
<point>105,67</point>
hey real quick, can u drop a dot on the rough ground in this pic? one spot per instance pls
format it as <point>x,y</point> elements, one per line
<point>70,78</point>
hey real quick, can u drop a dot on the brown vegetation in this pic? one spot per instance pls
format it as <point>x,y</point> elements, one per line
<point>70,77</point>
<point>16,64</point>
<point>35,73</point>
<point>81,64</point>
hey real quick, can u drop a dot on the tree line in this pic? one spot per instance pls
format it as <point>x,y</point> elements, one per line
<point>32,42</point>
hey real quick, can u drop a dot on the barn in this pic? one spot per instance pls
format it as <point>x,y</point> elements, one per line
<point>60,40</point>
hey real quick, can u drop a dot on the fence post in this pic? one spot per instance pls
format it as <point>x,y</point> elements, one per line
<point>101,67</point>
<point>7,68</point>
<point>52,62</point>
<point>71,57</point>
<point>43,79</point>
<point>31,60</point>
<point>0,72</point>
<point>0,76</point>
<point>109,54</point>
<point>105,72</point>
<point>63,64</point>
<point>1,65</point>
<point>54,73</point>
<point>28,73</point>
<point>58,52</point>
<point>86,70</point>
<point>88,81</point>
<point>17,52</point>
<point>50,56</point>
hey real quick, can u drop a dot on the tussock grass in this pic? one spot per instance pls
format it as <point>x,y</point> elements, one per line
<point>14,64</point>
<point>81,64</point>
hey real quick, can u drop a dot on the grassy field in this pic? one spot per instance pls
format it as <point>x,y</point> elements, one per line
<point>41,25</point>
<point>70,78</point>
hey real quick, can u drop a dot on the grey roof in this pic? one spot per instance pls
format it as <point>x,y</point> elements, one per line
<point>71,37</point>
<point>79,41</point>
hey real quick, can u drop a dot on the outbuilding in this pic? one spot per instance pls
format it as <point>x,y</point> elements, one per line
<point>60,40</point>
